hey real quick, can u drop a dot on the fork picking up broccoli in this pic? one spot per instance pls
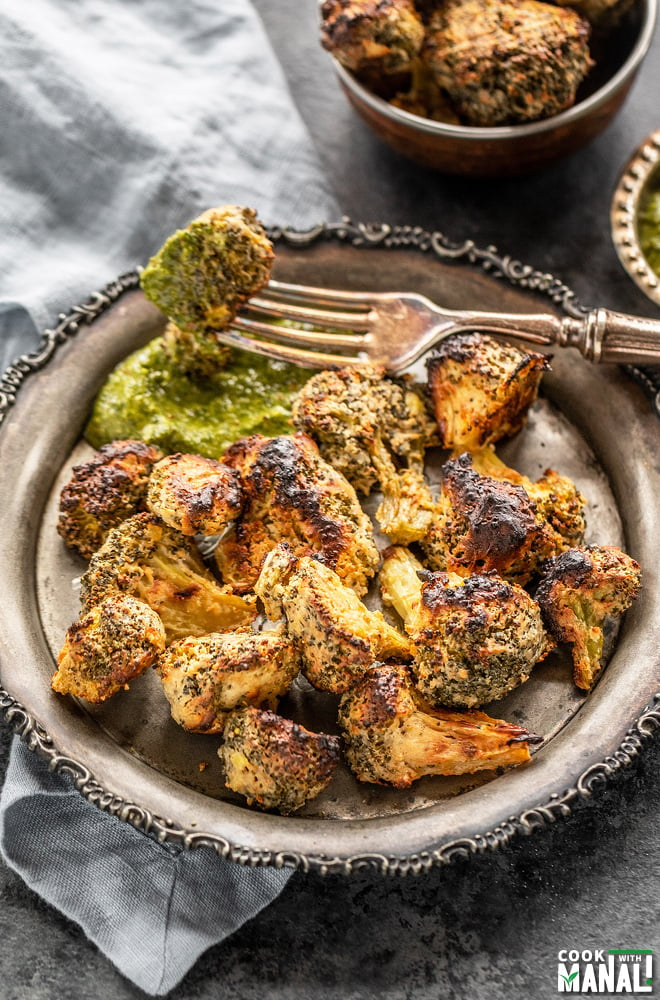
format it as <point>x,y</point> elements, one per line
<point>375,430</point>
<point>579,590</point>
<point>201,277</point>
<point>147,559</point>
<point>110,645</point>
<point>394,737</point>
<point>476,638</point>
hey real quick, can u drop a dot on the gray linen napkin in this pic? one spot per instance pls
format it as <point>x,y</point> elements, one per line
<point>122,120</point>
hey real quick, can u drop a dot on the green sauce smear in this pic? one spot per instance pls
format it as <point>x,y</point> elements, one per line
<point>148,398</point>
<point>649,226</point>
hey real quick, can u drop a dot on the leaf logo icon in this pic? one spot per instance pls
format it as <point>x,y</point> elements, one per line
<point>569,979</point>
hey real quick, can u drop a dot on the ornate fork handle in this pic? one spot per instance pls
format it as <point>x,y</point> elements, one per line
<point>600,335</point>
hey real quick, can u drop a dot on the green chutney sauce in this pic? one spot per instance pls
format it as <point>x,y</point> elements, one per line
<point>147,397</point>
<point>649,225</point>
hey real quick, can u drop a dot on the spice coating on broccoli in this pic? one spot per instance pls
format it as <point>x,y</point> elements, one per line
<point>481,390</point>
<point>476,638</point>
<point>110,645</point>
<point>274,761</point>
<point>103,492</point>
<point>507,61</point>
<point>394,737</point>
<point>579,590</point>
<point>375,430</point>
<point>194,494</point>
<point>149,560</point>
<point>206,677</point>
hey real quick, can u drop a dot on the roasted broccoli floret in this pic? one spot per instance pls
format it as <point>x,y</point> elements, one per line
<point>476,639</point>
<point>194,494</point>
<point>507,61</point>
<point>275,762</point>
<point>291,494</point>
<point>103,492</point>
<point>147,559</point>
<point>206,677</point>
<point>338,637</point>
<point>375,430</point>
<point>557,498</point>
<point>201,277</point>
<point>372,38</point>
<point>394,737</point>
<point>110,645</point>
<point>481,390</point>
<point>485,524</point>
<point>579,590</point>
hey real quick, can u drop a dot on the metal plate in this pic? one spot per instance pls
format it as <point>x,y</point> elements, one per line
<point>128,756</point>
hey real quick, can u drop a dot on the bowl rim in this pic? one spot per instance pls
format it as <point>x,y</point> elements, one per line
<point>500,132</point>
<point>633,181</point>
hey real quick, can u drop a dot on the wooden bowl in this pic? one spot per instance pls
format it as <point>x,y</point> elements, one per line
<point>515,149</point>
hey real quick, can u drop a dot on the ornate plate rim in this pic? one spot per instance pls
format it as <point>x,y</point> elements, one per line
<point>557,805</point>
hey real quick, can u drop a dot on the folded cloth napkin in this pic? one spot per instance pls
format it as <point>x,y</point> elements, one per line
<point>122,120</point>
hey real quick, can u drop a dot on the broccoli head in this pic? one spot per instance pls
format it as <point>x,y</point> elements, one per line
<point>103,492</point>
<point>201,277</point>
<point>155,563</point>
<point>484,524</point>
<point>110,645</point>
<point>275,762</point>
<point>194,494</point>
<point>476,638</point>
<point>579,590</point>
<point>338,637</point>
<point>394,737</point>
<point>372,37</point>
<point>507,61</point>
<point>557,499</point>
<point>206,677</point>
<point>481,390</point>
<point>375,430</point>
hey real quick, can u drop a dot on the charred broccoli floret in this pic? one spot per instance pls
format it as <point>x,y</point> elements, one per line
<point>201,277</point>
<point>103,492</point>
<point>375,430</point>
<point>291,494</point>
<point>393,737</point>
<point>372,37</point>
<point>507,61</point>
<point>557,498</point>
<point>275,762</point>
<point>481,390</point>
<point>147,559</point>
<point>110,645</point>
<point>579,590</point>
<point>194,494</point>
<point>476,639</point>
<point>206,677</point>
<point>338,637</point>
<point>485,524</point>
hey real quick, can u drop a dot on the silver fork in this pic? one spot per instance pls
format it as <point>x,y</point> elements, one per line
<point>395,328</point>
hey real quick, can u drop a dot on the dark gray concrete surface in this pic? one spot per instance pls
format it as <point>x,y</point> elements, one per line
<point>491,927</point>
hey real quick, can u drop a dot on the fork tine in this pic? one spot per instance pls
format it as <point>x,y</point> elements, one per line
<point>301,338</point>
<point>283,309</point>
<point>283,352</point>
<point>330,297</point>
